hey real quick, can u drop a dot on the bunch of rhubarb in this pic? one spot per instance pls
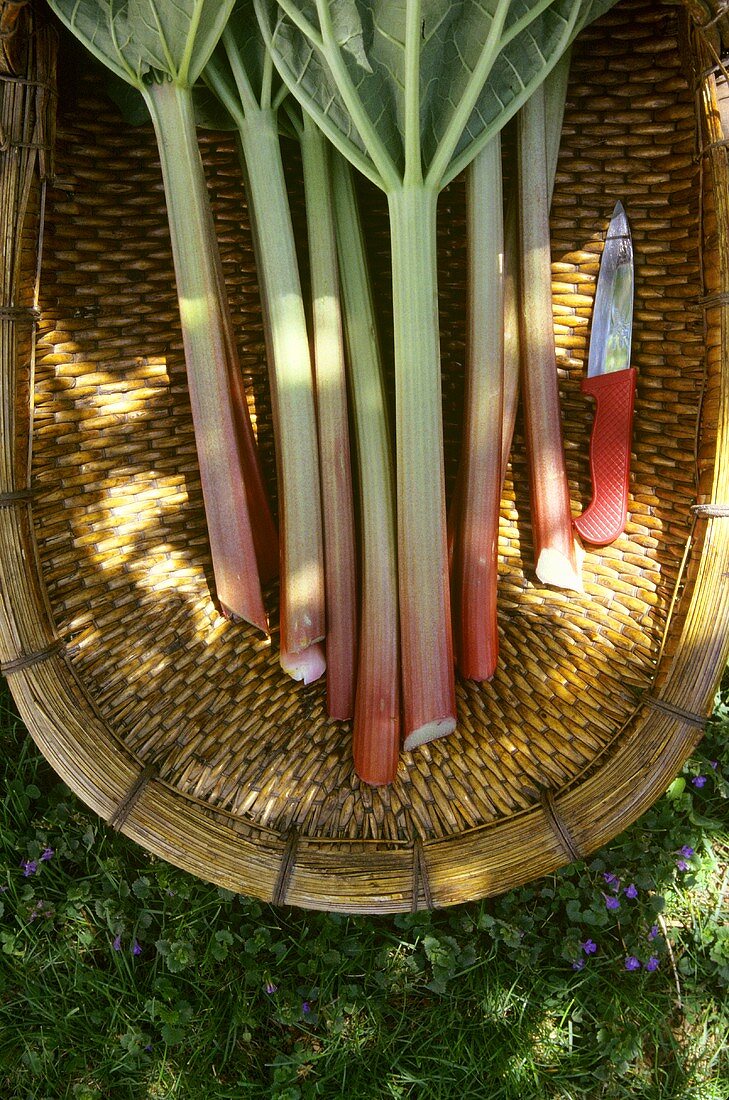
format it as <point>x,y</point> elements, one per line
<point>380,583</point>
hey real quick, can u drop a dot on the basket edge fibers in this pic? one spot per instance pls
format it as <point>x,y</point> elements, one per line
<point>347,875</point>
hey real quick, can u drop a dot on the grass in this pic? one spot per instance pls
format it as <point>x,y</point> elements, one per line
<point>122,977</point>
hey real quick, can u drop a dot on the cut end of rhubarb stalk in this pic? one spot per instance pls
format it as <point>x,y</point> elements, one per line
<point>376,781</point>
<point>439,727</point>
<point>376,759</point>
<point>260,621</point>
<point>375,745</point>
<point>556,568</point>
<point>307,665</point>
<point>340,705</point>
<point>481,673</point>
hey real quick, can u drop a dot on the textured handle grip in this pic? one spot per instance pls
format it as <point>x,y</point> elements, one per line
<point>605,517</point>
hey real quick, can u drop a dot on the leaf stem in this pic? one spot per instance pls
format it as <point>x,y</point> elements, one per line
<point>376,732</point>
<point>292,394</point>
<point>215,76</point>
<point>332,419</point>
<point>425,621</point>
<point>248,98</point>
<point>554,544</point>
<point>467,101</point>
<point>204,320</point>
<point>475,553</point>
<point>291,10</point>
<point>413,162</point>
<point>555,95</point>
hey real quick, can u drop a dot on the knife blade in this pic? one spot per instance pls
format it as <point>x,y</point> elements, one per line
<point>611,383</point>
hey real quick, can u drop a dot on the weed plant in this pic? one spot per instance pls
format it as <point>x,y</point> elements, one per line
<point>123,977</point>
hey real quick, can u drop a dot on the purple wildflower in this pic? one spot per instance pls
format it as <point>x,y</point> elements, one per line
<point>48,853</point>
<point>41,909</point>
<point>653,932</point>
<point>117,942</point>
<point>714,764</point>
<point>136,948</point>
<point>682,865</point>
<point>578,964</point>
<point>699,781</point>
<point>29,866</point>
<point>631,891</point>
<point>589,947</point>
<point>611,879</point>
<point>611,902</point>
<point>306,1008</point>
<point>631,963</point>
<point>652,963</point>
<point>270,987</point>
<point>687,851</point>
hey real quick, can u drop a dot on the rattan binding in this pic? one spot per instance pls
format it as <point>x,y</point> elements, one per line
<point>178,726</point>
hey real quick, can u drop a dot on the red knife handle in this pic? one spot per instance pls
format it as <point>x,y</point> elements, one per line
<point>612,430</point>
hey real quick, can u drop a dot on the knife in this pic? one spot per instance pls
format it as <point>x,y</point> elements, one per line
<point>611,382</point>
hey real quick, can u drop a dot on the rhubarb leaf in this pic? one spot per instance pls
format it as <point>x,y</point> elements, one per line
<point>135,38</point>
<point>177,38</point>
<point>476,63</point>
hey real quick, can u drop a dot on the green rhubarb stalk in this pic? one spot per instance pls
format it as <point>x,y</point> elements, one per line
<point>302,608</point>
<point>332,412</point>
<point>253,101</point>
<point>425,623</point>
<point>376,729</point>
<point>475,550</point>
<point>160,51</point>
<point>554,543</point>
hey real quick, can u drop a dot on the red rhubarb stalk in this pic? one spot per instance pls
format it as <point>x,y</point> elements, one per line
<point>554,545</point>
<point>376,730</point>
<point>475,549</point>
<point>206,341</point>
<point>555,94</point>
<point>265,535</point>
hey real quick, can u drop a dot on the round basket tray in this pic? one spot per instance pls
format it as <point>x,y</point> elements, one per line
<point>179,727</point>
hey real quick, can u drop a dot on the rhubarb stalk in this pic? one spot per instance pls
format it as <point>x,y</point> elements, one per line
<point>554,544</point>
<point>376,730</point>
<point>475,550</point>
<point>555,95</point>
<point>161,51</point>
<point>425,619</point>
<point>333,426</point>
<point>205,327</point>
<point>252,99</point>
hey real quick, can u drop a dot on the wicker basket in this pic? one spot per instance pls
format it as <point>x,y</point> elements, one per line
<point>177,726</point>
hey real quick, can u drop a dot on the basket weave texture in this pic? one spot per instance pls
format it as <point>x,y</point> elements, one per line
<point>178,726</point>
